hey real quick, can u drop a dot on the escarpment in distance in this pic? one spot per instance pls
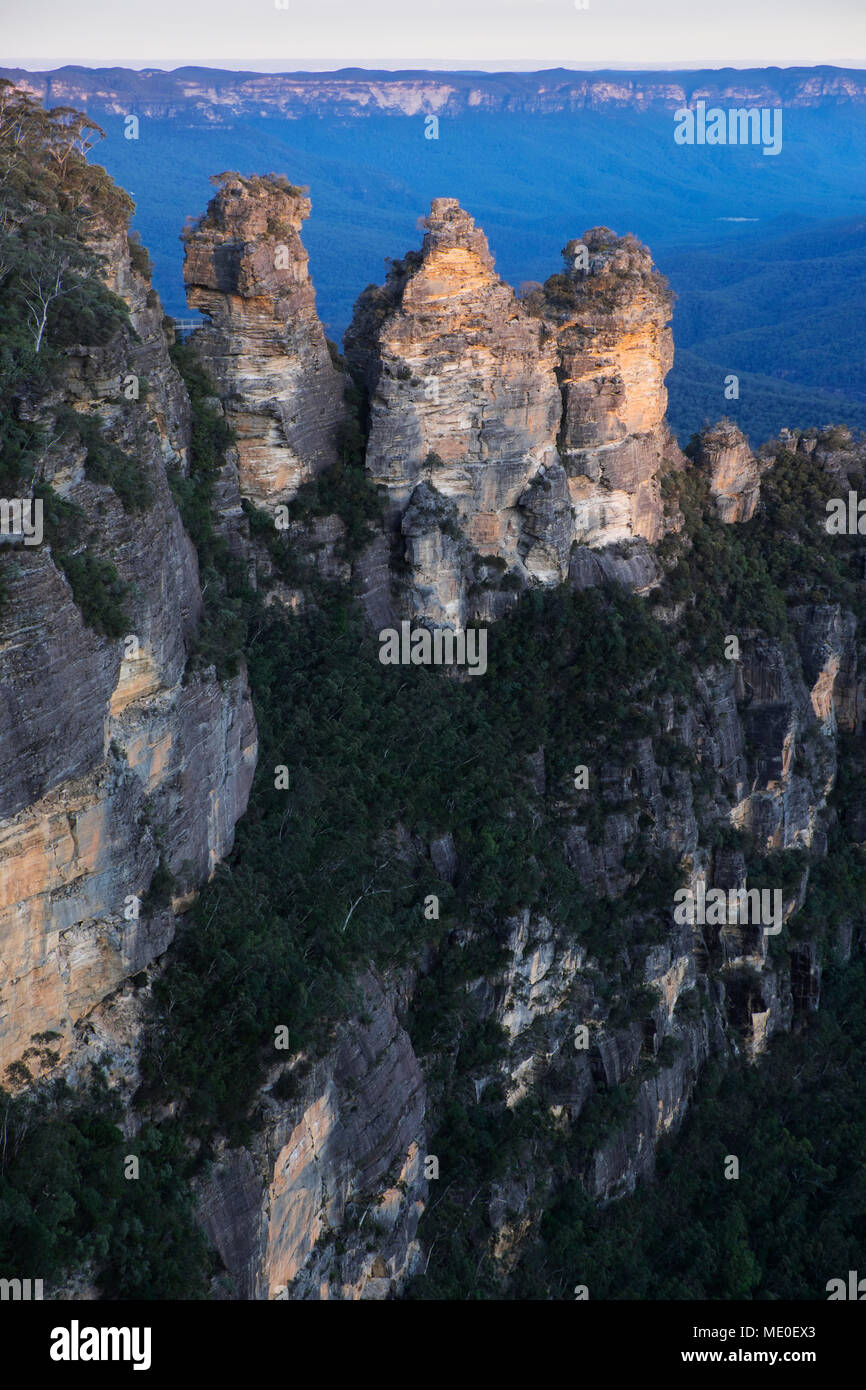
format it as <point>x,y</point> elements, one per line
<point>214,96</point>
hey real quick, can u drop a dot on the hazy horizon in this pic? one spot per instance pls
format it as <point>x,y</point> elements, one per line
<point>490,68</point>
<point>383,35</point>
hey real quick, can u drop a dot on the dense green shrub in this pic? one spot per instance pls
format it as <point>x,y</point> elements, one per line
<point>279,948</point>
<point>66,1205</point>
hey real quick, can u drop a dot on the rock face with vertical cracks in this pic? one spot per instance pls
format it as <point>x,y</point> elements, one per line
<point>723,454</point>
<point>505,432</point>
<point>118,759</point>
<point>326,1201</point>
<point>611,310</point>
<point>464,410</point>
<point>245,267</point>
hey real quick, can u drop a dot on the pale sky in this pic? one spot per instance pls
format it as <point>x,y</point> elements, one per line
<point>322,34</point>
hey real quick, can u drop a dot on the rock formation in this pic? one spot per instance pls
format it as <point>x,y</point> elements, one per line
<point>612,310</point>
<point>723,453</point>
<point>246,269</point>
<point>464,408</point>
<point>506,433</point>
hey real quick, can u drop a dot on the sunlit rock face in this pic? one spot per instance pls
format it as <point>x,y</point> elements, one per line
<point>245,267</point>
<point>611,312</point>
<point>464,410</point>
<point>732,471</point>
<point>504,431</point>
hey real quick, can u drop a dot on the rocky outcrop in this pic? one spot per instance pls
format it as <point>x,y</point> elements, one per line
<point>506,433</point>
<point>792,770</point>
<point>325,1203</point>
<point>732,470</point>
<point>464,409</point>
<point>245,268</point>
<point>827,640</point>
<point>611,310</point>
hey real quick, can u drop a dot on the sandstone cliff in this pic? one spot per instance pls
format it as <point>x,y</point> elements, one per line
<point>734,477</point>
<point>512,437</point>
<point>121,759</point>
<point>246,269</point>
<point>612,312</point>
<point>464,409</point>
<point>325,1204</point>
<point>210,94</point>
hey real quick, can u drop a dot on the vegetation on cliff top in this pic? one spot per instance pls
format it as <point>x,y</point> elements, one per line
<point>736,578</point>
<point>55,206</point>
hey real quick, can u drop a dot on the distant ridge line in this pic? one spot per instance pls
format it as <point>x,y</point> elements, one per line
<point>222,93</point>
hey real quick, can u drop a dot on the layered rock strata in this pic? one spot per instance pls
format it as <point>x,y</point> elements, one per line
<point>212,96</point>
<point>120,759</point>
<point>505,433</point>
<point>464,410</point>
<point>246,269</point>
<point>612,311</point>
<point>732,470</point>
<point>326,1201</point>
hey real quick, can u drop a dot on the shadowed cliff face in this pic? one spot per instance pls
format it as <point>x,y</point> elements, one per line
<point>116,763</point>
<point>246,269</point>
<point>327,1198</point>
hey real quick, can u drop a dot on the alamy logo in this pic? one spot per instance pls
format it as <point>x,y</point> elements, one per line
<point>75,1343</point>
<point>855,1288</point>
<point>739,125</point>
<point>717,908</point>
<point>846,520</point>
<point>21,519</point>
<point>20,1290</point>
<point>441,647</point>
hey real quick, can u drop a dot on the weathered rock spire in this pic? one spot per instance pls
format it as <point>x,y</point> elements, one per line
<point>611,310</point>
<point>246,268</point>
<point>508,432</point>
